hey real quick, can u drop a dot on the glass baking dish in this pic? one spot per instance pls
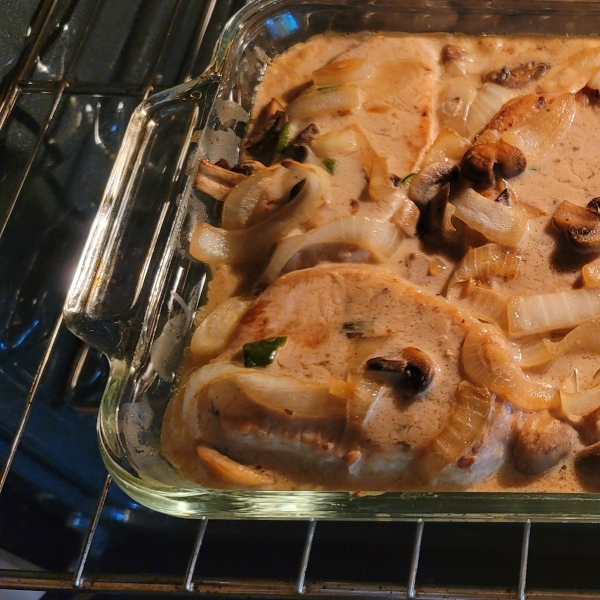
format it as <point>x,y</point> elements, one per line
<point>136,281</point>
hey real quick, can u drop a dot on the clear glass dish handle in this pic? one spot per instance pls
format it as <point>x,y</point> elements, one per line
<point>133,235</point>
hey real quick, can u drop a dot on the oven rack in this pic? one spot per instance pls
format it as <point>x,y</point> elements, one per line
<point>62,80</point>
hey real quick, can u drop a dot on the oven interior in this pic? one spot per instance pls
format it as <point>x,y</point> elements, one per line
<point>72,72</point>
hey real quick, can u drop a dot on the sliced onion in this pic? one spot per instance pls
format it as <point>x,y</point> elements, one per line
<point>247,203</point>
<point>376,166</point>
<point>224,468</point>
<point>546,312</point>
<point>291,397</point>
<point>360,396</point>
<point>489,362</point>
<point>198,381</point>
<point>591,273</point>
<point>454,104</point>
<point>220,246</point>
<point>594,81</point>
<point>485,262</point>
<point>448,146</point>
<point>489,100</point>
<point>342,72</point>
<point>215,330</point>
<point>286,396</point>
<point>496,221</point>
<point>448,229</point>
<point>380,185</point>
<point>406,218</point>
<point>335,143</point>
<point>325,101</point>
<point>471,412</point>
<point>363,396</point>
<point>381,238</point>
<point>575,74</point>
<point>540,133</point>
<point>486,304</point>
<point>536,351</point>
<point>575,403</point>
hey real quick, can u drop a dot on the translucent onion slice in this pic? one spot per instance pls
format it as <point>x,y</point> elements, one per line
<point>488,305</point>
<point>591,273</point>
<point>291,397</point>
<point>198,381</point>
<point>448,229</point>
<point>594,81</point>
<point>224,468</point>
<point>575,403</point>
<point>362,398</point>
<point>489,361</point>
<point>359,394</point>
<point>469,416</point>
<point>335,143</point>
<point>483,263</point>
<point>448,146</point>
<point>324,101</point>
<point>220,246</point>
<point>540,133</point>
<point>380,185</point>
<point>455,102</point>
<point>546,312</point>
<point>381,238</point>
<point>496,221</point>
<point>246,204</point>
<point>489,100</point>
<point>342,72</point>
<point>575,74</point>
<point>215,330</point>
<point>536,351</point>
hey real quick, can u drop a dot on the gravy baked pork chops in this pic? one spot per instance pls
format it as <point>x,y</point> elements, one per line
<point>459,348</point>
<point>343,322</point>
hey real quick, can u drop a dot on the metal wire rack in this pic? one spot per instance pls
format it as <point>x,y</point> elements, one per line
<point>75,72</point>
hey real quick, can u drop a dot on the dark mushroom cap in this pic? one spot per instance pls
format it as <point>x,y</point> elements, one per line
<point>518,77</point>
<point>581,224</point>
<point>412,371</point>
<point>482,162</point>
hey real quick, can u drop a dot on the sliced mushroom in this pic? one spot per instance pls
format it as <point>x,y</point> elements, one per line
<point>452,53</point>
<point>413,370</point>
<point>587,465</point>
<point>298,150</point>
<point>265,134</point>
<point>481,163</point>
<point>429,182</point>
<point>541,443</point>
<point>581,224</point>
<point>248,167</point>
<point>224,468</point>
<point>519,77</point>
<point>216,181</point>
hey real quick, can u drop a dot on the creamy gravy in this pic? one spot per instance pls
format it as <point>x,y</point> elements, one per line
<point>402,110</point>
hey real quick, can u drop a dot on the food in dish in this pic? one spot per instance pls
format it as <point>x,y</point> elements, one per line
<point>405,287</point>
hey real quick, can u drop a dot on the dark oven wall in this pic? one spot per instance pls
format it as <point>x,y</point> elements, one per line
<point>72,72</point>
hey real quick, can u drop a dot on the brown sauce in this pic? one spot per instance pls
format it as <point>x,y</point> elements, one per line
<point>417,88</point>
